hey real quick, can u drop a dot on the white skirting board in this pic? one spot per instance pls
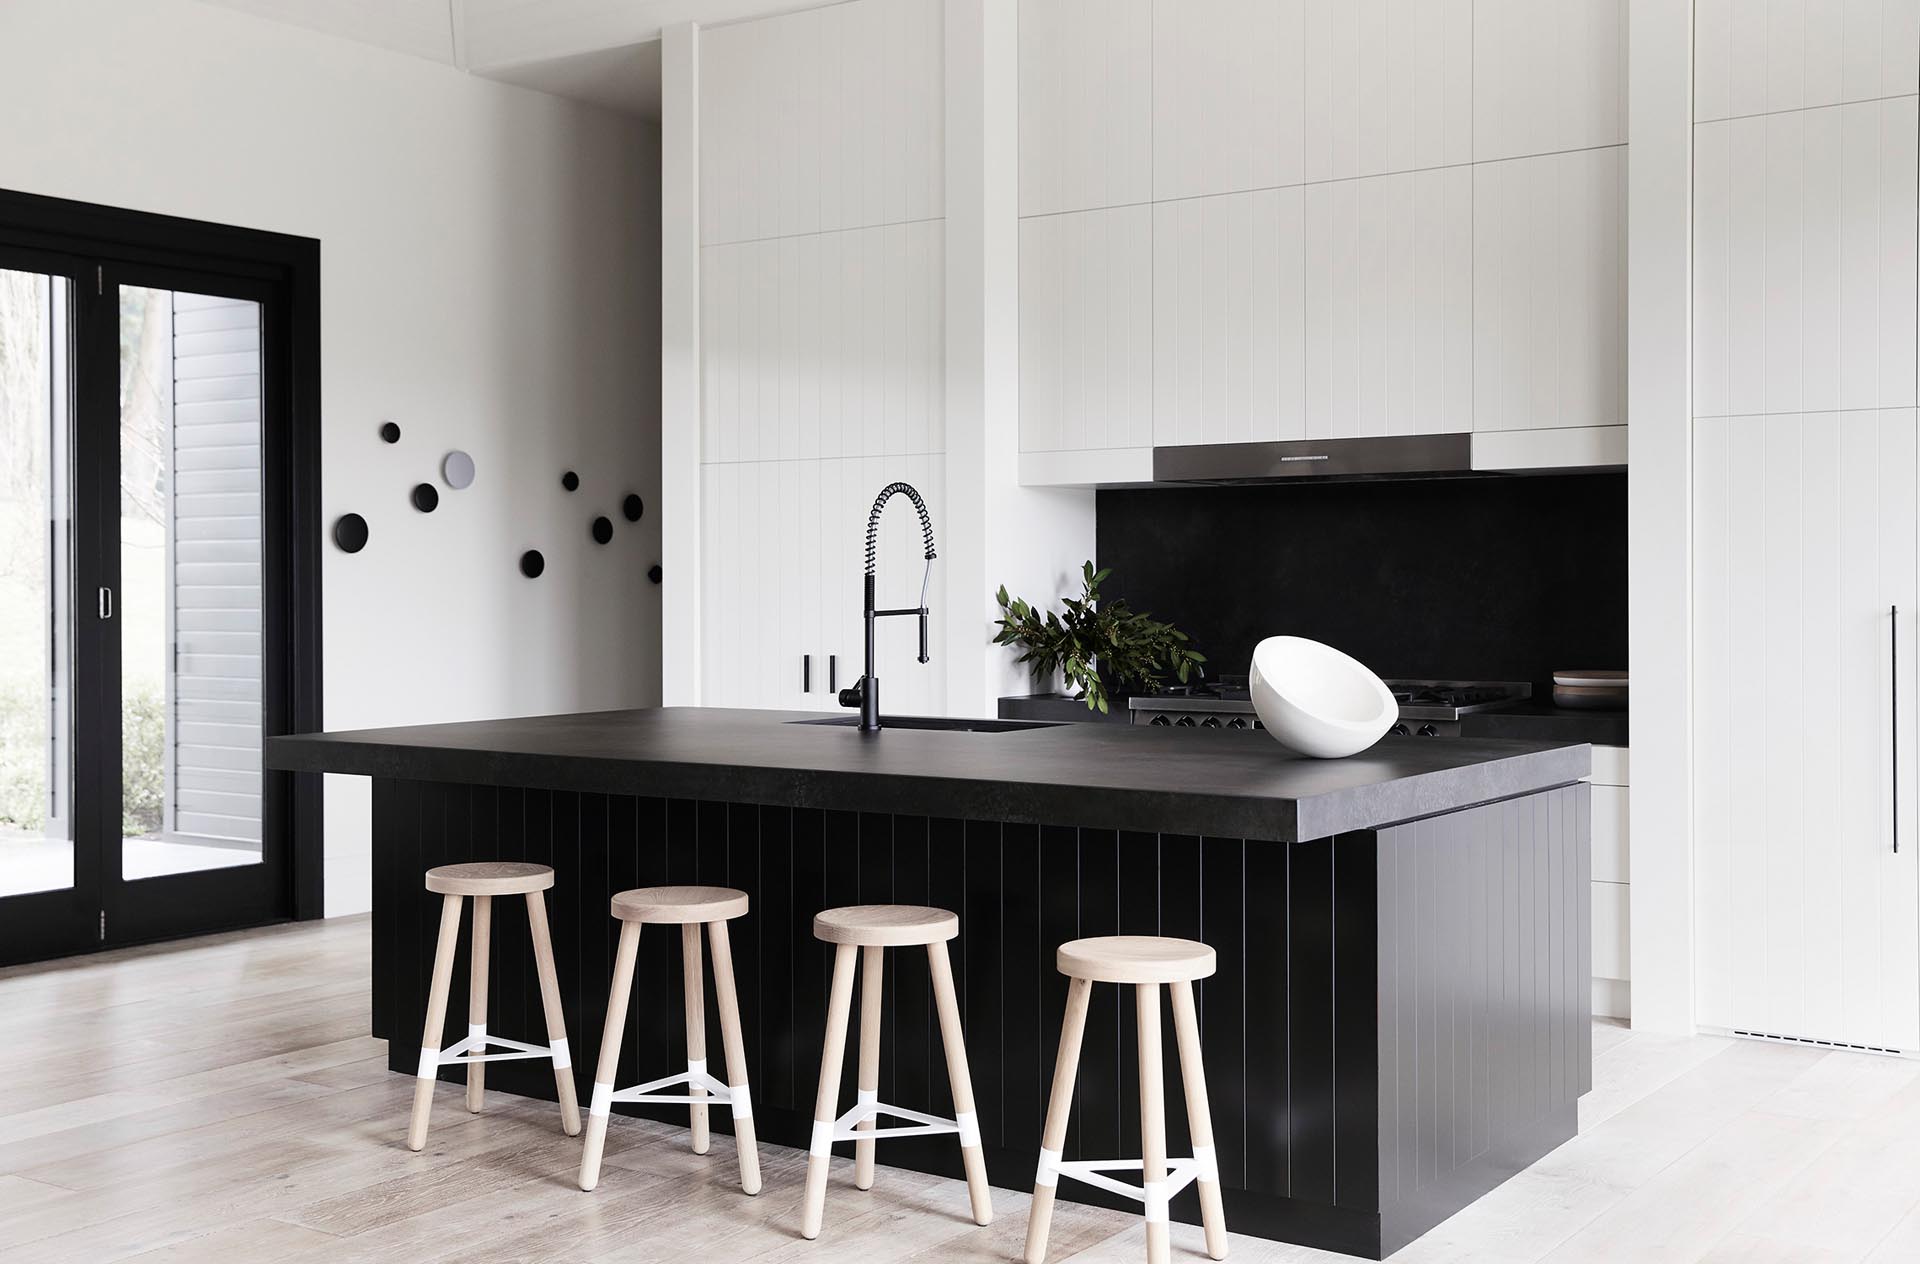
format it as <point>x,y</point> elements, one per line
<point>1612,998</point>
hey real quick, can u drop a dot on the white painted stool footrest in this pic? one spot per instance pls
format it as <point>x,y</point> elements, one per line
<point>735,1098</point>
<point>847,1127</point>
<point>1154,1196</point>
<point>473,1049</point>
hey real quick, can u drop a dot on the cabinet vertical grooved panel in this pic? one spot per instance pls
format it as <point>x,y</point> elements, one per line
<point>1798,54</point>
<point>1229,318</point>
<point>1549,291</point>
<point>1804,539</point>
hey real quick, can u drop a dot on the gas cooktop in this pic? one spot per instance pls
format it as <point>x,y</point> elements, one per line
<point>1426,703</point>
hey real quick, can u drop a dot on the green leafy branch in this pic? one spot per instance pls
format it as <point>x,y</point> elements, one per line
<point>1097,644</point>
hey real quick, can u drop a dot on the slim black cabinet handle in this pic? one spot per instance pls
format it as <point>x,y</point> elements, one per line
<point>1893,711</point>
<point>806,673</point>
<point>833,673</point>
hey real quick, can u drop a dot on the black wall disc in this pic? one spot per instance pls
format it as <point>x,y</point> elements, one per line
<point>425,499</point>
<point>570,481</point>
<point>531,563</point>
<point>654,573</point>
<point>389,432</point>
<point>350,533</point>
<point>633,507</point>
<point>602,530</point>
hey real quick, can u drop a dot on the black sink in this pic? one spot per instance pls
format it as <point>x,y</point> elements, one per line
<point>941,723</point>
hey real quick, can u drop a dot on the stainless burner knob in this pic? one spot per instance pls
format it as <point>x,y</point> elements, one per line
<point>1427,730</point>
<point>1160,720</point>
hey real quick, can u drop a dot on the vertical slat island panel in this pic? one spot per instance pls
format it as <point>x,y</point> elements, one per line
<point>1397,1025</point>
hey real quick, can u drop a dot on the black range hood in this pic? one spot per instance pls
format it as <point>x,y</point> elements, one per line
<point>1292,460</point>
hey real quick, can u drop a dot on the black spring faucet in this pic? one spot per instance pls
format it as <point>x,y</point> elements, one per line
<point>865,693</point>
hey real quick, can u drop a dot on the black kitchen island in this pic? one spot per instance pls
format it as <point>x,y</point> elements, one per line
<point>1401,1016</point>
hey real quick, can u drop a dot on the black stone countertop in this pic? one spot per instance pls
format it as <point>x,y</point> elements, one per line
<point>1099,776</point>
<point>1541,721</point>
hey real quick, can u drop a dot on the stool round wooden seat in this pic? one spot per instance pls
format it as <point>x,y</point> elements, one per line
<point>885,925</point>
<point>1136,959</point>
<point>489,877</point>
<point>1146,962</point>
<point>677,906</point>
<point>867,931</point>
<point>689,908</point>
<point>480,882</point>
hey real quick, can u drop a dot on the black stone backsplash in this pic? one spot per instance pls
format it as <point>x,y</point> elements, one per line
<point>1498,578</point>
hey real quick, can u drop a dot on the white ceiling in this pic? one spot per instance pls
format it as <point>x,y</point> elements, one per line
<point>603,51</point>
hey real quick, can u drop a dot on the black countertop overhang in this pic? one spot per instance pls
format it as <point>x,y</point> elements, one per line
<point>1191,781</point>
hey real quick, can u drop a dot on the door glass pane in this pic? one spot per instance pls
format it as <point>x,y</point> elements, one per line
<point>188,608</point>
<point>36,836</point>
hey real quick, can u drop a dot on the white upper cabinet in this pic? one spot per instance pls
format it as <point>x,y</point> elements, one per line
<point>1229,312</point>
<point>1548,76</point>
<point>1389,86</point>
<point>1549,291</point>
<point>1086,330</point>
<point>1389,319</point>
<point>825,344</point>
<point>1795,54</point>
<point>820,120</point>
<point>1086,104</point>
<point>1804,257</point>
<point>1338,218</point>
<point>1228,83</point>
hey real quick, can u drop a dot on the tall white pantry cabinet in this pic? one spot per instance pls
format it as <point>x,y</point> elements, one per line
<point>822,257</point>
<point>1806,513</point>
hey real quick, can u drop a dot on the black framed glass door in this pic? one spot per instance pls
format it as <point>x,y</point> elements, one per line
<point>141,405</point>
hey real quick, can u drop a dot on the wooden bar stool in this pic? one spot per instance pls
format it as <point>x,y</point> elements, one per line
<point>875,928</point>
<point>481,882</point>
<point>689,908</point>
<point>1146,962</point>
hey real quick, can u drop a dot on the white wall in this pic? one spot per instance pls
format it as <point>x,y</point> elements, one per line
<point>489,280</point>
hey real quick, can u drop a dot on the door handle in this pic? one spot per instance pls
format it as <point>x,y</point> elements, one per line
<point>106,603</point>
<point>1893,712</point>
<point>806,673</point>
<point>833,673</point>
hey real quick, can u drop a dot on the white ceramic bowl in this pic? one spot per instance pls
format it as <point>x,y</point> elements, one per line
<point>1318,701</point>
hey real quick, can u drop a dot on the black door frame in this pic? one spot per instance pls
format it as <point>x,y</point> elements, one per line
<point>99,248</point>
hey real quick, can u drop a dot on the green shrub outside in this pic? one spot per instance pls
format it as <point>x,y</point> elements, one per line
<point>23,759</point>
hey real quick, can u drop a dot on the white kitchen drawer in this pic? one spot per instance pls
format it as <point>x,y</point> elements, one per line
<point>1609,766</point>
<point>1610,834</point>
<point>1610,935</point>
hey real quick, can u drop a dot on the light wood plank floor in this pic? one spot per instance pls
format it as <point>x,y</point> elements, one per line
<point>217,1101</point>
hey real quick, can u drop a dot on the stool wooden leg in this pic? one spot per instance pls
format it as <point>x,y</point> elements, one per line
<point>1066,1069</point>
<point>436,1021</point>
<point>693,984</point>
<point>477,996</point>
<point>609,1054</point>
<point>1199,1119</point>
<point>872,973</point>
<point>729,998</point>
<point>1153,1122</point>
<point>832,1054</point>
<point>962,1080</point>
<point>556,1017</point>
